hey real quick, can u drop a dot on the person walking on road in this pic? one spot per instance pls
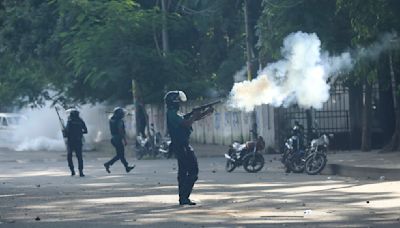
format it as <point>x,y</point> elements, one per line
<point>74,131</point>
<point>118,139</point>
<point>180,128</point>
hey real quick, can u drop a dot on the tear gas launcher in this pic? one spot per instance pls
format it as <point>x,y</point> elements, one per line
<point>201,109</point>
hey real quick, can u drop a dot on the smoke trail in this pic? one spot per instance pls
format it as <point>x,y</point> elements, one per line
<point>301,76</point>
<point>384,43</point>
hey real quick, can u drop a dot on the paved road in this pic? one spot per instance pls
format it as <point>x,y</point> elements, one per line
<point>33,189</point>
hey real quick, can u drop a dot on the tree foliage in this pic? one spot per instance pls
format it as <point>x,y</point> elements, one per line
<point>87,51</point>
<point>91,50</point>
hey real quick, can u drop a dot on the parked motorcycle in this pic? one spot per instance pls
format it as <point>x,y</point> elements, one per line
<point>153,146</point>
<point>163,148</point>
<point>294,153</point>
<point>247,154</point>
<point>317,157</point>
<point>143,146</point>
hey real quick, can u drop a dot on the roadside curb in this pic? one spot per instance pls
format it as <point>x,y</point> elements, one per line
<point>362,172</point>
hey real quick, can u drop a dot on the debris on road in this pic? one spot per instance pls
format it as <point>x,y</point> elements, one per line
<point>307,212</point>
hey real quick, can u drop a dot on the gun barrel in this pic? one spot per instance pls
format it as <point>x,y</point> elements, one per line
<point>208,105</point>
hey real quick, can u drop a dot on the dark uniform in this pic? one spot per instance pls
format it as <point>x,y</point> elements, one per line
<point>179,129</point>
<point>74,131</point>
<point>298,130</point>
<point>118,139</point>
<point>188,168</point>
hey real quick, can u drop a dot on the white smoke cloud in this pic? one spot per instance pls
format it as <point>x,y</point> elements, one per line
<point>301,76</point>
<point>41,129</point>
<point>41,143</point>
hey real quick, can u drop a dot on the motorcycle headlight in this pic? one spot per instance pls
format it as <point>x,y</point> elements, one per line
<point>289,143</point>
<point>314,143</point>
<point>236,145</point>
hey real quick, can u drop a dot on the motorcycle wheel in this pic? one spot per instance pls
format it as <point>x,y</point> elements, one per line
<point>315,164</point>
<point>297,166</point>
<point>230,166</point>
<point>253,163</point>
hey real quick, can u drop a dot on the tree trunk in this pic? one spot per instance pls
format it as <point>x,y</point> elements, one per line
<point>355,115</point>
<point>164,32</point>
<point>250,67</point>
<point>140,111</point>
<point>366,122</point>
<point>165,48</point>
<point>394,142</point>
<point>385,107</point>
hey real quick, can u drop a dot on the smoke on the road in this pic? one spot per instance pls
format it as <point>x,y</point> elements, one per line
<point>41,130</point>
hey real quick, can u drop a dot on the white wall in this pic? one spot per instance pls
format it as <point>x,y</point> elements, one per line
<point>223,126</point>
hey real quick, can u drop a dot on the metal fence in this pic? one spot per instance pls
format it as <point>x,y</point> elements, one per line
<point>333,118</point>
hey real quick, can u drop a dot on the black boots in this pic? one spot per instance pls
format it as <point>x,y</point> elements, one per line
<point>186,202</point>
<point>107,168</point>
<point>129,168</point>
<point>80,173</point>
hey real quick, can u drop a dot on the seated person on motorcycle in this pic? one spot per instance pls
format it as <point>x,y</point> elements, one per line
<point>298,130</point>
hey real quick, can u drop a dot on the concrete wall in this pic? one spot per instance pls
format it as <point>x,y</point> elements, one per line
<point>223,127</point>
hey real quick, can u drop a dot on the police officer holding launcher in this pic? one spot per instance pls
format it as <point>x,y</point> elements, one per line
<point>118,139</point>
<point>74,131</point>
<point>180,128</point>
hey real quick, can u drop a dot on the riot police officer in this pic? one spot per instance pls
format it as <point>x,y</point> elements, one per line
<point>74,131</point>
<point>180,128</point>
<point>118,139</point>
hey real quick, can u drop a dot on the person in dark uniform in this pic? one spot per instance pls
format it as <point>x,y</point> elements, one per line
<point>180,128</point>
<point>298,130</point>
<point>118,139</point>
<point>74,131</point>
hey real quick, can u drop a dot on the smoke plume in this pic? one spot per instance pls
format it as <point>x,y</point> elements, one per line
<point>302,75</point>
<point>41,129</point>
<point>386,42</point>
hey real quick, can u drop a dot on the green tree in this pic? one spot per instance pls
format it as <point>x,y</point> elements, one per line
<point>25,30</point>
<point>279,18</point>
<point>369,19</point>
